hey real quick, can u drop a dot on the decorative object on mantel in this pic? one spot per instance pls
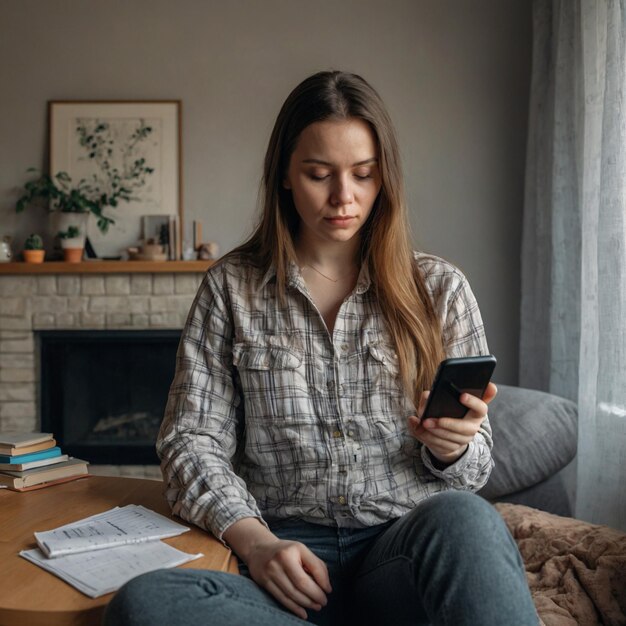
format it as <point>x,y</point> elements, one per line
<point>197,234</point>
<point>129,145</point>
<point>189,254</point>
<point>208,251</point>
<point>149,251</point>
<point>33,249</point>
<point>90,253</point>
<point>161,230</point>
<point>6,252</point>
<point>73,244</point>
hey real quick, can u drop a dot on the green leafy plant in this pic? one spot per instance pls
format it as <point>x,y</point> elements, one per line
<point>70,233</point>
<point>117,179</point>
<point>33,242</point>
<point>59,195</point>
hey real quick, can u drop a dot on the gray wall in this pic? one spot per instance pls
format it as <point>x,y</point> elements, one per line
<point>454,73</point>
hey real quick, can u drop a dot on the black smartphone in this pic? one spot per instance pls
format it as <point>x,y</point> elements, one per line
<point>456,376</point>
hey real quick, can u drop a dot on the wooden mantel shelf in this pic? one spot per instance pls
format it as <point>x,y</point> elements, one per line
<point>106,267</point>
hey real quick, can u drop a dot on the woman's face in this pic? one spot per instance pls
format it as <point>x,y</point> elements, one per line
<point>334,178</point>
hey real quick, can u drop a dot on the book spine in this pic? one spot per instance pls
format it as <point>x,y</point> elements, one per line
<point>197,234</point>
<point>176,240</point>
<point>29,449</point>
<point>50,483</point>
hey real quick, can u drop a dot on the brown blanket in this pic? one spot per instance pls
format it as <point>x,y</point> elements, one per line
<point>576,571</point>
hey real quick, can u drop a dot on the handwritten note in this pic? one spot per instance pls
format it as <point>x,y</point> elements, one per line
<point>103,571</point>
<point>120,526</point>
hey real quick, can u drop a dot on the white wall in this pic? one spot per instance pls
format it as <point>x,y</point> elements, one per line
<point>454,73</point>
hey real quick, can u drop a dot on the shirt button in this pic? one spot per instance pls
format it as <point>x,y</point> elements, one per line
<point>350,433</point>
<point>337,434</point>
<point>330,384</point>
<point>341,500</point>
<point>344,347</point>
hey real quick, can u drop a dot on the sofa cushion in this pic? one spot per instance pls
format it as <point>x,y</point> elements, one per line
<point>535,434</point>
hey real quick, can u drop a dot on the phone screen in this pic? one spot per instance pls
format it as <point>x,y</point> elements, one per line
<point>455,377</point>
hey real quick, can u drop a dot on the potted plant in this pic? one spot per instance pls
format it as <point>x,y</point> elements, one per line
<point>33,249</point>
<point>59,195</point>
<point>72,244</point>
<point>118,173</point>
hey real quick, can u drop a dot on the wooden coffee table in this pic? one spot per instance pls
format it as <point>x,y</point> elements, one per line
<point>30,596</point>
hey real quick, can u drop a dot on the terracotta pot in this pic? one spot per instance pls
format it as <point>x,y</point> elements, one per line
<point>60,221</point>
<point>33,256</point>
<point>73,255</point>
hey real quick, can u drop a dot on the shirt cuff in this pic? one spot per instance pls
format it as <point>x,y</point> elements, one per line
<point>238,515</point>
<point>470,471</point>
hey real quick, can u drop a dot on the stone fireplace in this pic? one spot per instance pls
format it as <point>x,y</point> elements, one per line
<point>34,305</point>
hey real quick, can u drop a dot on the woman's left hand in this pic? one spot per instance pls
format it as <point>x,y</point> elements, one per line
<point>447,438</point>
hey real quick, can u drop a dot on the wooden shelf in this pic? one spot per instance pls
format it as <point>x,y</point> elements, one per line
<point>106,267</point>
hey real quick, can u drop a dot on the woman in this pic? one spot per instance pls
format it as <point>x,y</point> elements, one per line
<point>293,429</point>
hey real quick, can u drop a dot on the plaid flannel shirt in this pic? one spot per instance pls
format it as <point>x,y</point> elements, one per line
<point>270,416</point>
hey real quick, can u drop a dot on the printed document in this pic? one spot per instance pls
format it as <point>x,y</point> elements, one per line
<point>103,571</point>
<point>120,526</point>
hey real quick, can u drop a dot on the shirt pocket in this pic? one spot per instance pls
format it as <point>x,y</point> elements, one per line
<point>272,372</point>
<point>275,353</point>
<point>376,390</point>
<point>383,361</point>
<point>383,372</point>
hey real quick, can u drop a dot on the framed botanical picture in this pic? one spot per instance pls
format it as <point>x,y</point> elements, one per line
<point>133,146</point>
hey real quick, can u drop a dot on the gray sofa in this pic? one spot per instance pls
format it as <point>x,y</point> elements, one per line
<point>535,437</point>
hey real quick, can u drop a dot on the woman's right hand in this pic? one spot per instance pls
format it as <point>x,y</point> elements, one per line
<point>288,570</point>
<point>291,573</point>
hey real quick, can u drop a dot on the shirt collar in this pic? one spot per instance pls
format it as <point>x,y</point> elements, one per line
<point>294,277</point>
<point>364,281</point>
<point>269,274</point>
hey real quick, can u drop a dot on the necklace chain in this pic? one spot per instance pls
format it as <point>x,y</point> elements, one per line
<point>332,280</point>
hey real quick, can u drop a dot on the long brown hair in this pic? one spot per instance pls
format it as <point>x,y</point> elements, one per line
<point>385,245</point>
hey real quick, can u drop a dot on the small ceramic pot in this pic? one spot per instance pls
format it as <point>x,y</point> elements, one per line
<point>33,256</point>
<point>73,255</point>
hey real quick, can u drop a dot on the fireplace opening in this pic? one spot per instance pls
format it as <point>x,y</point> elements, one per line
<point>103,393</point>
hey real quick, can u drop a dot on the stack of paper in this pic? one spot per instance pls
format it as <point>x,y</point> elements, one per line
<point>98,554</point>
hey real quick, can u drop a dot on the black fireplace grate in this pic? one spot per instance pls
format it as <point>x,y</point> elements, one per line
<point>103,392</point>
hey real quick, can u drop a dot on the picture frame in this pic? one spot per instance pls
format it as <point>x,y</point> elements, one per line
<point>152,227</point>
<point>89,138</point>
<point>161,229</point>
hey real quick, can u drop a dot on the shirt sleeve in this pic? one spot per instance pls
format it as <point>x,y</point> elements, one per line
<point>464,335</point>
<point>197,442</point>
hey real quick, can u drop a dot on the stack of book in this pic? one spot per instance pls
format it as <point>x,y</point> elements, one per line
<point>33,460</point>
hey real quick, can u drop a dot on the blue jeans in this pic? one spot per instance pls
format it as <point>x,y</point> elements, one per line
<point>450,561</point>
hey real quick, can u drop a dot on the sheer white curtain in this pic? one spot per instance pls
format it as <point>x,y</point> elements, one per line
<point>573,335</point>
